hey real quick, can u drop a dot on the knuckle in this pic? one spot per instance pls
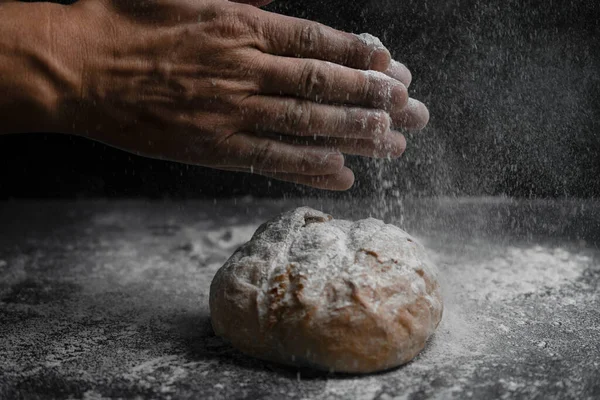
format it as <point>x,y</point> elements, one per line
<point>359,54</point>
<point>314,80</point>
<point>309,38</point>
<point>353,120</point>
<point>309,162</point>
<point>263,154</point>
<point>320,163</point>
<point>298,117</point>
<point>399,149</point>
<point>406,74</point>
<point>385,93</point>
<point>230,24</point>
<point>348,56</point>
<point>393,148</point>
<point>378,123</point>
<point>402,96</point>
<point>365,87</point>
<point>208,13</point>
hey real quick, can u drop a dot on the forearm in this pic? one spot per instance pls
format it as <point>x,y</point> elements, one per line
<point>34,77</point>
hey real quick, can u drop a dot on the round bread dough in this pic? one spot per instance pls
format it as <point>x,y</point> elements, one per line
<point>308,290</point>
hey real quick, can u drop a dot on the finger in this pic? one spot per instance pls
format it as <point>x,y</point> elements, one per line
<point>343,180</point>
<point>270,155</point>
<point>331,83</point>
<point>391,145</point>
<point>294,37</point>
<point>296,117</point>
<point>399,71</point>
<point>412,117</point>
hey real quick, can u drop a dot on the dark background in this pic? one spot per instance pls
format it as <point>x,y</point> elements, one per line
<point>512,87</point>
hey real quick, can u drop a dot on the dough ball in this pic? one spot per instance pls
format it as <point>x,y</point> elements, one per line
<point>309,290</point>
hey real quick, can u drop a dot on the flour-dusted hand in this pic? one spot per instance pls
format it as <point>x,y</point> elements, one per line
<point>230,86</point>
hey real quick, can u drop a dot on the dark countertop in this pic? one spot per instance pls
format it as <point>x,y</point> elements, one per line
<point>110,299</point>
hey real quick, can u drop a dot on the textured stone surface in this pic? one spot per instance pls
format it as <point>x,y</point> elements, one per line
<point>110,299</point>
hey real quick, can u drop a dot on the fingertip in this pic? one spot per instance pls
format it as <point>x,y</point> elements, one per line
<point>380,60</point>
<point>393,146</point>
<point>400,147</point>
<point>420,113</point>
<point>379,56</point>
<point>340,181</point>
<point>379,123</point>
<point>334,161</point>
<point>343,180</point>
<point>425,117</point>
<point>399,96</point>
<point>399,71</point>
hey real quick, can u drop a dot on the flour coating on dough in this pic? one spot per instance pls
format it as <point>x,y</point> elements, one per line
<point>348,296</point>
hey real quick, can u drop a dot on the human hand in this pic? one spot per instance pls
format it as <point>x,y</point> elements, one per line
<point>229,86</point>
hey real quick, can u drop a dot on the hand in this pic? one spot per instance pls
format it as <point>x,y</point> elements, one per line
<point>229,86</point>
